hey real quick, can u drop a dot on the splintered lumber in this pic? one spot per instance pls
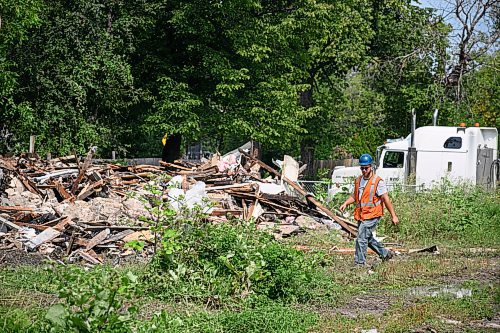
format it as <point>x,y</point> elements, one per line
<point>81,174</point>
<point>63,159</point>
<point>43,237</point>
<point>62,224</point>
<point>70,244</point>
<point>4,164</point>
<point>114,227</point>
<point>118,236</point>
<point>131,182</point>
<point>97,239</point>
<point>15,209</point>
<point>309,198</point>
<point>88,257</point>
<point>320,206</point>
<point>10,224</point>
<point>349,222</point>
<point>223,212</point>
<point>288,209</point>
<point>27,184</point>
<point>262,164</point>
<point>89,190</point>
<point>31,225</point>
<point>176,166</point>
<point>139,235</point>
<point>62,191</point>
<point>224,187</point>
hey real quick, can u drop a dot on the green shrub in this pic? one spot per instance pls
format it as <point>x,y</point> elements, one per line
<point>223,260</point>
<point>93,301</point>
<point>15,320</point>
<point>198,260</point>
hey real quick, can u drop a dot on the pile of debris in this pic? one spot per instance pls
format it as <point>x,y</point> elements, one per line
<point>78,209</point>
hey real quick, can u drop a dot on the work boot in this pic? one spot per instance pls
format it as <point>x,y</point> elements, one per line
<point>389,256</point>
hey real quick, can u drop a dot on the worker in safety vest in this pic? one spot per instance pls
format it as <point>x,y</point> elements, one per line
<point>370,196</point>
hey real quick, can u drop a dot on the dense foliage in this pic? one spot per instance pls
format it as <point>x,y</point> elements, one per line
<point>299,76</point>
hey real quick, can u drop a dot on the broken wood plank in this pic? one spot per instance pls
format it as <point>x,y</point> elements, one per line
<point>114,227</point>
<point>289,209</point>
<point>223,212</point>
<point>262,164</point>
<point>139,235</point>
<point>216,188</point>
<point>27,184</point>
<point>63,159</point>
<point>97,239</point>
<point>118,236</point>
<point>90,190</point>
<point>10,224</point>
<point>62,224</point>
<point>87,257</point>
<point>32,225</point>
<point>141,175</point>
<point>175,166</point>
<point>43,237</point>
<point>318,204</point>
<point>81,241</point>
<point>53,222</point>
<point>15,209</point>
<point>245,209</point>
<point>70,243</point>
<point>81,174</point>
<point>7,165</point>
<point>62,191</point>
<point>131,182</point>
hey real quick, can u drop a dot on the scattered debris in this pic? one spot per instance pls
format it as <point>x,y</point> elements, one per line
<point>89,211</point>
<point>451,291</point>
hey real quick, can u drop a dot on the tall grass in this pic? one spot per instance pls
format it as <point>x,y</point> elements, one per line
<point>462,214</point>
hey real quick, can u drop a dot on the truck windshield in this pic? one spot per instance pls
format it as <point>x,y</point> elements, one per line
<point>393,159</point>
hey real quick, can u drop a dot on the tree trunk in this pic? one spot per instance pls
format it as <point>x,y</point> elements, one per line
<point>307,144</point>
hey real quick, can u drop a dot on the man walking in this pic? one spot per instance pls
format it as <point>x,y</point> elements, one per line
<point>370,196</point>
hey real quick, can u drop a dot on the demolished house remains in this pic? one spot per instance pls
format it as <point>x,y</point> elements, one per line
<point>77,209</point>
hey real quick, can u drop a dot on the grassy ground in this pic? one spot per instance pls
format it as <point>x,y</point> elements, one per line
<point>456,290</point>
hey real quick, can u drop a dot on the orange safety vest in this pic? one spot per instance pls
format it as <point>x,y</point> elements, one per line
<point>370,206</point>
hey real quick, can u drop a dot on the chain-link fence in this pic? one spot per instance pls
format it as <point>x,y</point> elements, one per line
<point>315,187</point>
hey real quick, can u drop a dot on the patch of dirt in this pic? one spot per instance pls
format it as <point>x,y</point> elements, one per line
<point>15,257</point>
<point>22,298</point>
<point>488,272</point>
<point>487,324</point>
<point>370,304</point>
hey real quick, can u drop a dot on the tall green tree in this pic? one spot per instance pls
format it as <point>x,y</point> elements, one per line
<point>75,75</point>
<point>16,20</point>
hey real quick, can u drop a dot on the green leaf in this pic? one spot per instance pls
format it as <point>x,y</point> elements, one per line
<point>57,315</point>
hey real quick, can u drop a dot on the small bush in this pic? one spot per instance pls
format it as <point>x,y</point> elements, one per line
<point>219,261</point>
<point>93,301</point>
<point>198,260</point>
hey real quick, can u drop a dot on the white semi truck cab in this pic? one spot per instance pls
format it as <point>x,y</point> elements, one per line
<point>457,154</point>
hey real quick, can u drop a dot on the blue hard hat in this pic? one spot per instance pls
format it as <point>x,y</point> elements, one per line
<point>365,159</point>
